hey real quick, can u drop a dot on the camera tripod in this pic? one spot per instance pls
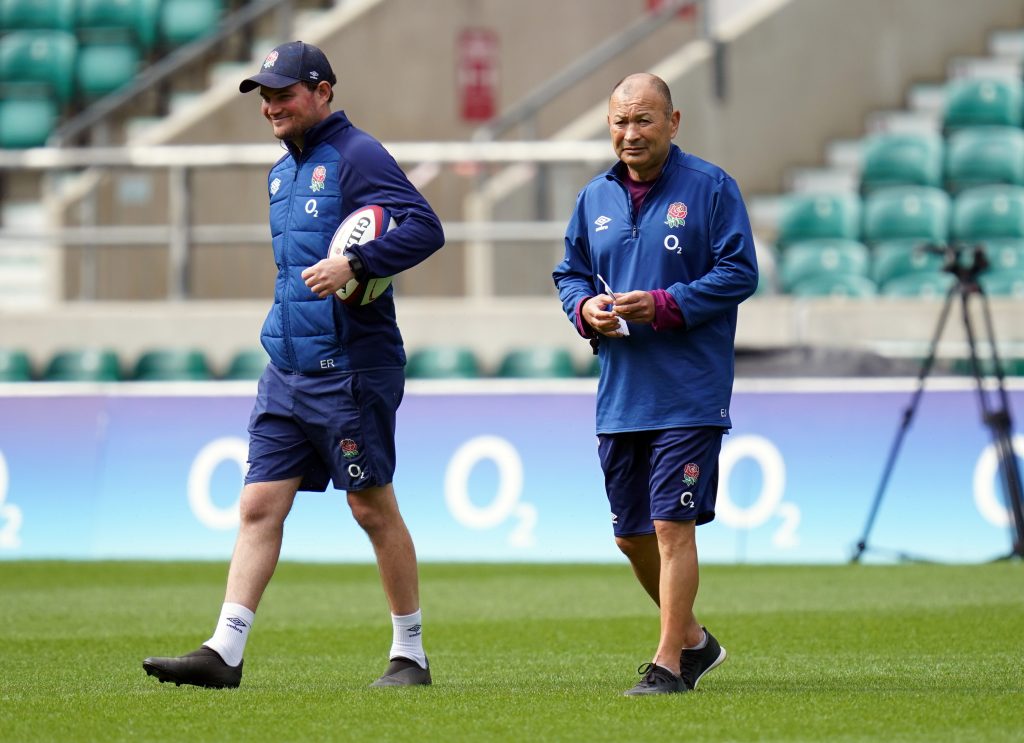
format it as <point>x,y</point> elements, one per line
<point>995,414</point>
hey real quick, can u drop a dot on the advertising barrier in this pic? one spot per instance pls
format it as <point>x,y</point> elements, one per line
<point>501,471</point>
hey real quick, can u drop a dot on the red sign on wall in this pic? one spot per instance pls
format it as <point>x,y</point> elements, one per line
<point>687,11</point>
<point>476,74</point>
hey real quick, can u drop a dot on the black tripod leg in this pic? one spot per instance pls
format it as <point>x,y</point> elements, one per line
<point>908,416</point>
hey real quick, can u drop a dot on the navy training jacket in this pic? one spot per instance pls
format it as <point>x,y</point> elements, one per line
<point>341,169</point>
<point>692,238</point>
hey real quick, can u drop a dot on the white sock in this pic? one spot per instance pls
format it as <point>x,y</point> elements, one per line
<point>231,633</point>
<point>407,637</point>
<point>702,644</point>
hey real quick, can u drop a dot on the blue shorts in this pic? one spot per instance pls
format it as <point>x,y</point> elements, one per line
<point>668,475</point>
<point>338,427</point>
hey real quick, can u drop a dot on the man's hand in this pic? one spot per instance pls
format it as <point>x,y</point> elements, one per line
<point>328,276</point>
<point>604,321</point>
<point>635,306</point>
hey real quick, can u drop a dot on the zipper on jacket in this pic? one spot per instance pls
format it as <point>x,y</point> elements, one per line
<point>286,235</point>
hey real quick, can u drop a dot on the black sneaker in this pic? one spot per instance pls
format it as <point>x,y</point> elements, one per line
<point>656,680</point>
<point>693,664</point>
<point>202,667</point>
<point>404,672</point>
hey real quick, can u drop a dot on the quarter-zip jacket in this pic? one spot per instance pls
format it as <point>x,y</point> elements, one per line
<point>692,238</point>
<point>340,169</point>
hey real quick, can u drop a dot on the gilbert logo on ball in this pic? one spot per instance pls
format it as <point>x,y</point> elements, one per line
<point>358,228</point>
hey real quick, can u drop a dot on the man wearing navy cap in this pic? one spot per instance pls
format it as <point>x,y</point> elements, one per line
<point>327,402</point>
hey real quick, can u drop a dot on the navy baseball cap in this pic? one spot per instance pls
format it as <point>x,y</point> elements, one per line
<point>289,63</point>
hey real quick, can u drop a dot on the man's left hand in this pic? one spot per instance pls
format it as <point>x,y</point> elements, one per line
<point>635,306</point>
<point>328,276</point>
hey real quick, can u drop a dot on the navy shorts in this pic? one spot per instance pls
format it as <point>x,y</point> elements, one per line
<point>338,427</point>
<point>668,475</point>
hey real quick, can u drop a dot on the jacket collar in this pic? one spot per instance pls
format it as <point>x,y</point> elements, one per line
<point>320,131</point>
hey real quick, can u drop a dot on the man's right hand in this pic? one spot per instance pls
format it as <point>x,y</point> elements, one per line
<point>597,313</point>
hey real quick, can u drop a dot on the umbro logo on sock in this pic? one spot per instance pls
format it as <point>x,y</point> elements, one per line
<point>415,630</point>
<point>236,624</point>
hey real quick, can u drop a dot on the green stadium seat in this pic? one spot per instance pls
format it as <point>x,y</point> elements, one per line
<point>182,21</point>
<point>983,102</point>
<point>247,364</point>
<point>1003,283</point>
<point>979,156</point>
<point>988,212</point>
<point>86,365</point>
<point>14,366</point>
<point>442,362</point>
<point>105,66</point>
<point>843,285</point>
<point>819,216</point>
<point>902,159</point>
<point>27,122</point>
<point>172,365</point>
<point>537,363</point>
<point>119,21</point>
<point>35,15</point>
<point>1012,366</point>
<point>922,285</point>
<point>30,60</point>
<point>895,258</point>
<point>1007,254</point>
<point>907,212</point>
<point>810,258</point>
<point>593,367</point>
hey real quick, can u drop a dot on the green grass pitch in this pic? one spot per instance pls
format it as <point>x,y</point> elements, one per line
<point>519,653</point>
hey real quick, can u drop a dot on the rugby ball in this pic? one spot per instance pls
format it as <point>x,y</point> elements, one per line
<point>358,228</point>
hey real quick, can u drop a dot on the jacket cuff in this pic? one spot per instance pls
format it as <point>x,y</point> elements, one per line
<point>582,326</point>
<point>667,315</point>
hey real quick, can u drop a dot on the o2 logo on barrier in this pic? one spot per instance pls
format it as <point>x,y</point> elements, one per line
<point>769,501</point>
<point>10,514</point>
<point>985,470</point>
<point>226,449</point>
<point>506,502</point>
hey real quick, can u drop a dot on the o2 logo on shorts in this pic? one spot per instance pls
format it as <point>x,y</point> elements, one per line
<point>686,499</point>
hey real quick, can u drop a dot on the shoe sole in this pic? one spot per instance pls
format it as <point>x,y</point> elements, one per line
<point>163,677</point>
<point>718,661</point>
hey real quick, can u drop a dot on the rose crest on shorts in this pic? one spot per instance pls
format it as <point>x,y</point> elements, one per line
<point>349,448</point>
<point>690,474</point>
<point>319,176</point>
<point>676,214</point>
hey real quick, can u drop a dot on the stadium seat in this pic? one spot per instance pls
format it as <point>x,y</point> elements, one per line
<point>1012,366</point>
<point>902,159</point>
<point>182,21</point>
<point>817,216</point>
<point>119,21</point>
<point>443,362</point>
<point>537,363</point>
<point>835,285</point>
<point>923,285</point>
<point>895,258</point>
<point>907,212</point>
<point>105,66</point>
<point>87,365</point>
<point>818,257</point>
<point>1007,254</point>
<point>37,14</point>
<point>593,367</point>
<point>27,122</point>
<point>172,365</point>
<point>247,364</point>
<point>1003,283</point>
<point>14,366</point>
<point>988,212</point>
<point>30,60</point>
<point>979,156</point>
<point>982,102</point>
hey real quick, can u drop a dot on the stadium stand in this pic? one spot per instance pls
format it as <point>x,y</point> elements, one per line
<point>983,102</point>
<point>892,259</point>
<point>851,286</point>
<point>14,365</point>
<point>919,285</point>
<point>37,14</point>
<point>980,156</point>
<point>988,212</point>
<point>907,212</point>
<point>814,258</point>
<point>83,365</point>
<point>172,364</point>
<point>819,216</point>
<point>902,159</point>
<point>537,363</point>
<point>182,21</point>
<point>247,364</point>
<point>443,362</point>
